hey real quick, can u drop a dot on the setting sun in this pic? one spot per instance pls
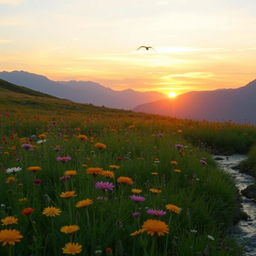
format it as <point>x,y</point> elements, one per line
<point>172,95</point>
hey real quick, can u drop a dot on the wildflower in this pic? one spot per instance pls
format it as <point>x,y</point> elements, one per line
<point>27,211</point>
<point>108,174</point>
<point>136,214</point>
<point>177,170</point>
<point>137,198</point>
<point>69,229</point>
<point>10,236</point>
<point>72,248</point>
<point>51,211</point>
<point>63,159</point>
<point>203,161</point>
<point>65,177</point>
<point>57,148</point>
<point>34,168</point>
<point>154,173</point>
<point>174,162</point>
<point>179,146</point>
<point>100,145</point>
<point>42,136</point>
<point>27,146</point>
<point>109,250</point>
<point>155,190</point>
<point>136,233</point>
<point>13,170</point>
<point>125,180</point>
<point>94,171</point>
<point>156,212</point>
<point>37,181</point>
<point>82,137</point>
<point>9,220</point>
<point>84,203</point>
<point>155,227</point>
<point>211,237</point>
<point>70,173</point>
<point>114,167</point>
<point>136,191</point>
<point>10,180</point>
<point>23,199</point>
<point>39,142</point>
<point>173,208</point>
<point>193,231</point>
<point>68,194</point>
<point>106,186</point>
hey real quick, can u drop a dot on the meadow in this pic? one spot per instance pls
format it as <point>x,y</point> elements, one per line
<point>83,180</point>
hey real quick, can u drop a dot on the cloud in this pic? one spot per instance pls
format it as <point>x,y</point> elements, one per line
<point>194,75</point>
<point>5,41</point>
<point>11,2</point>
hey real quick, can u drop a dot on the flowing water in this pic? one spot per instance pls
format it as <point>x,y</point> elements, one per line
<point>245,230</point>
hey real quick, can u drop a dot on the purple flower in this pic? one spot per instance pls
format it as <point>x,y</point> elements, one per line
<point>137,198</point>
<point>179,146</point>
<point>135,214</point>
<point>65,177</point>
<point>203,161</point>
<point>37,181</point>
<point>156,212</point>
<point>63,159</point>
<point>26,146</point>
<point>104,185</point>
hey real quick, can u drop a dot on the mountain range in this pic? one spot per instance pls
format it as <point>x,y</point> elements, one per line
<point>236,105</point>
<point>81,91</point>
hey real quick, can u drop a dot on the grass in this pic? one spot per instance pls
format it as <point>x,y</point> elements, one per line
<point>143,146</point>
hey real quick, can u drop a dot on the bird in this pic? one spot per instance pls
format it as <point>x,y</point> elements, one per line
<point>146,47</point>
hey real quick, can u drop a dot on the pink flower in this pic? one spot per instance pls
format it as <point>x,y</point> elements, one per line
<point>179,146</point>
<point>156,212</point>
<point>37,181</point>
<point>137,198</point>
<point>104,185</point>
<point>203,161</point>
<point>26,146</point>
<point>65,177</point>
<point>63,159</point>
<point>136,214</point>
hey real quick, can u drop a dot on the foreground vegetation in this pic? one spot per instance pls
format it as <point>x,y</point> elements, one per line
<point>95,181</point>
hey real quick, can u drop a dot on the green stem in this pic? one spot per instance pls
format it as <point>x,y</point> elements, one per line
<point>167,238</point>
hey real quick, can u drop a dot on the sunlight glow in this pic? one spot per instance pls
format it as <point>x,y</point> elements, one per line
<point>172,95</point>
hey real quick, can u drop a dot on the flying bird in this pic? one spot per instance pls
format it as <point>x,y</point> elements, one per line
<point>146,47</point>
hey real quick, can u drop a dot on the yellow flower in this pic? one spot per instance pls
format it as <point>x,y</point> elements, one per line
<point>10,236</point>
<point>69,229</point>
<point>10,180</point>
<point>51,211</point>
<point>174,162</point>
<point>72,248</point>
<point>84,203</point>
<point>136,233</point>
<point>115,167</point>
<point>154,173</point>
<point>23,199</point>
<point>34,168</point>
<point>100,145</point>
<point>125,180</point>
<point>9,221</point>
<point>94,171</point>
<point>155,227</point>
<point>70,173</point>
<point>136,191</point>
<point>108,174</point>
<point>68,194</point>
<point>177,170</point>
<point>173,208</point>
<point>155,190</point>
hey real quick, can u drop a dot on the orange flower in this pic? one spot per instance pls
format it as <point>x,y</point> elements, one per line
<point>136,191</point>
<point>70,173</point>
<point>173,208</point>
<point>174,162</point>
<point>34,168</point>
<point>94,171</point>
<point>9,220</point>
<point>69,229</point>
<point>10,179</point>
<point>100,145</point>
<point>42,136</point>
<point>68,194</point>
<point>10,236</point>
<point>108,174</point>
<point>125,180</point>
<point>155,191</point>
<point>155,227</point>
<point>72,248</point>
<point>177,170</point>
<point>82,137</point>
<point>114,167</point>
<point>84,203</point>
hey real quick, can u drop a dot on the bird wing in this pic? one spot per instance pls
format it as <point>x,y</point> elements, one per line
<point>142,47</point>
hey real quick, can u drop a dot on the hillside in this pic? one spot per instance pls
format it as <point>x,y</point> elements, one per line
<point>235,105</point>
<point>81,91</point>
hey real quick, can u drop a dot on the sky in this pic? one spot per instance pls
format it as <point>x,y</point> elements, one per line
<point>198,44</point>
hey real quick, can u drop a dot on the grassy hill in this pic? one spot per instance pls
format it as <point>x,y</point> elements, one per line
<point>132,184</point>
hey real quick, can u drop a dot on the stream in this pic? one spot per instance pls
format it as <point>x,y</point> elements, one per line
<point>245,231</point>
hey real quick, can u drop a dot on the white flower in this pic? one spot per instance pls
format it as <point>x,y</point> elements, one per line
<point>41,141</point>
<point>211,237</point>
<point>13,170</point>
<point>193,231</point>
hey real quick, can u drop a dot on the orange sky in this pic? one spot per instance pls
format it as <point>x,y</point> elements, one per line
<point>199,45</point>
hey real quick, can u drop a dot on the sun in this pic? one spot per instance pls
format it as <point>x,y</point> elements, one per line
<point>172,95</point>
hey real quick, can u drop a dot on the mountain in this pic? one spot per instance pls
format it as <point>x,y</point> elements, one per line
<point>236,105</point>
<point>81,91</point>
